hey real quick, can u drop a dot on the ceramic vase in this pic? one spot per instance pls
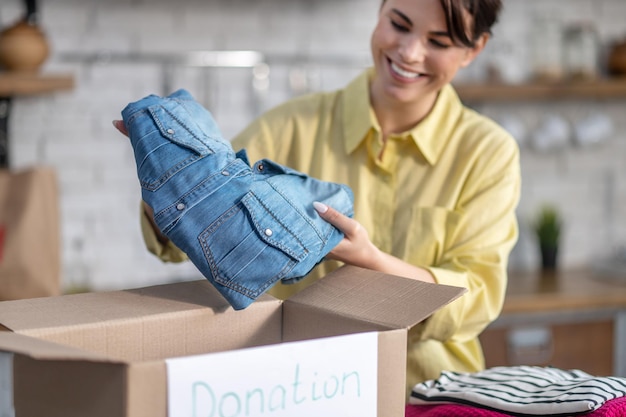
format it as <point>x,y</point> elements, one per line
<point>549,257</point>
<point>23,47</point>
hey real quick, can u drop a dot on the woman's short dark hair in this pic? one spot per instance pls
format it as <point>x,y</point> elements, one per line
<point>483,13</point>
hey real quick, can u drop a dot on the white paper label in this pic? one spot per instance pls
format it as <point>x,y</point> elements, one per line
<point>334,376</point>
<point>6,385</point>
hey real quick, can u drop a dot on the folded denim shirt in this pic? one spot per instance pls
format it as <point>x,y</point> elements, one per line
<point>244,227</point>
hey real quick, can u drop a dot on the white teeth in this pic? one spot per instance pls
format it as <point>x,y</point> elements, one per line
<point>404,73</point>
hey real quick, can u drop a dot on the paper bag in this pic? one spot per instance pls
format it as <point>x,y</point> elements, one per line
<point>30,264</point>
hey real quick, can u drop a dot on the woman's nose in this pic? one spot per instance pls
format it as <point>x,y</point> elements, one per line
<point>412,50</point>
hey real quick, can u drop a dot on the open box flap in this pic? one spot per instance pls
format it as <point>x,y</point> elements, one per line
<point>147,323</point>
<point>31,316</point>
<point>388,300</point>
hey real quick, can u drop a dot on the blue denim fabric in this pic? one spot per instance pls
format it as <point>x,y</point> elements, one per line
<point>243,227</point>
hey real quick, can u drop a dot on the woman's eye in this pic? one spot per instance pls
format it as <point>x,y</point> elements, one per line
<point>439,44</point>
<point>399,27</point>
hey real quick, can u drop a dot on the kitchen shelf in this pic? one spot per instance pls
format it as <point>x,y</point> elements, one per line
<point>19,84</point>
<point>609,88</point>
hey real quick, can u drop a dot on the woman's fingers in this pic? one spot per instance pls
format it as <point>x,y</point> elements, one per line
<point>119,125</point>
<point>342,222</point>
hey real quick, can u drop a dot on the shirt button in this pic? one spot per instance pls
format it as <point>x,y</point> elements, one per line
<point>268,232</point>
<point>260,167</point>
<point>170,131</point>
<point>225,173</point>
<point>180,206</point>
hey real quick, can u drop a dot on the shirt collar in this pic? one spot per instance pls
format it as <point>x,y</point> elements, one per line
<point>430,135</point>
<point>357,110</point>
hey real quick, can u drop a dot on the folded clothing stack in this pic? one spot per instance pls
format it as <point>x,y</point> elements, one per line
<point>244,227</point>
<point>519,391</point>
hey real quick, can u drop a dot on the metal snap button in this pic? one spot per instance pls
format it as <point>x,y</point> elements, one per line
<point>225,173</point>
<point>260,167</point>
<point>180,206</point>
<point>170,131</point>
<point>268,232</point>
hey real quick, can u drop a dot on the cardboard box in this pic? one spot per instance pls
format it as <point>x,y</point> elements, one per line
<point>338,348</point>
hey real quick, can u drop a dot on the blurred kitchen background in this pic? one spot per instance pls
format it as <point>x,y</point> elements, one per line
<point>573,143</point>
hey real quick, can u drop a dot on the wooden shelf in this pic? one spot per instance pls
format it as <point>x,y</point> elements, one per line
<point>580,289</point>
<point>610,88</point>
<point>14,84</point>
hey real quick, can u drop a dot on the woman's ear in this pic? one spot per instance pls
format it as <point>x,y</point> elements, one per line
<point>472,53</point>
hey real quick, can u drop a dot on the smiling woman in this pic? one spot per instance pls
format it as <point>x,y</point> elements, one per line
<point>435,184</point>
<point>417,51</point>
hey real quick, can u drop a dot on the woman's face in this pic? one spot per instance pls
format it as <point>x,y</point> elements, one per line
<point>413,52</point>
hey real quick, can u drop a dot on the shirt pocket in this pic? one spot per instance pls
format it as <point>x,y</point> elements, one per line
<point>248,249</point>
<point>166,150</point>
<point>429,235</point>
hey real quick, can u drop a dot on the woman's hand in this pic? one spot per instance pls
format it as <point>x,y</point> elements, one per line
<point>357,249</point>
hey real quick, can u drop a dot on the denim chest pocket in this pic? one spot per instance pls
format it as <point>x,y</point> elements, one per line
<point>248,249</point>
<point>169,148</point>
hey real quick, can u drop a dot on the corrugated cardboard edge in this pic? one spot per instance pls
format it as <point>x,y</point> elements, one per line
<point>147,389</point>
<point>387,300</point>
<point>391,396</point>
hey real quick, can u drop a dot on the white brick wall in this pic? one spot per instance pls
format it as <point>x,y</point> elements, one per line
<point>72,131</point>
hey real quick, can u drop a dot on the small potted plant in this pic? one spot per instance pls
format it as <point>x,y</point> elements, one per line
<point>548,229</point>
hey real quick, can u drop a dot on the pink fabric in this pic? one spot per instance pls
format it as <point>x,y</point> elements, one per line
<point>449,410</point>
<point>612,408</point>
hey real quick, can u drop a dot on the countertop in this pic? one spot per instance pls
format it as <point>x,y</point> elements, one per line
<point>577,289</point>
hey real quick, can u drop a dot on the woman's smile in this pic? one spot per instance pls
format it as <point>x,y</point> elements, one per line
<point>403,74</point>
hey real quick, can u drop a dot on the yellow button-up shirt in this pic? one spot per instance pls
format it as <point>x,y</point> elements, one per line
<point>441,196</point>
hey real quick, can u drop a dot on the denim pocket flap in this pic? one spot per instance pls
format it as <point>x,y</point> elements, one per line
<point>175,129</point>
<point>271,230</point>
